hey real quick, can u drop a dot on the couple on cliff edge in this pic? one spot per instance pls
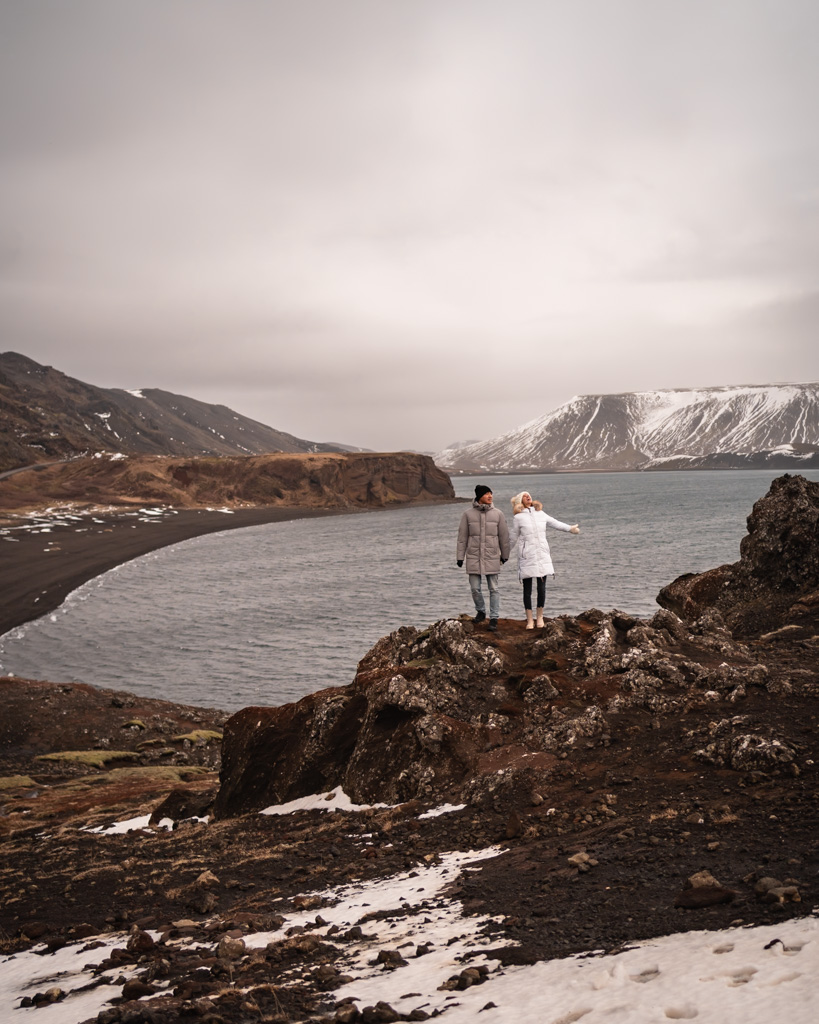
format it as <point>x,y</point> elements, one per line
<point>485,543</point>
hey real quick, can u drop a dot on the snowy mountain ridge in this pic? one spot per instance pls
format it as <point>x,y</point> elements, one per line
<point>748,426</point>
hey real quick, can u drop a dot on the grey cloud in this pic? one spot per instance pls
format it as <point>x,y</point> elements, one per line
<point>409,222</point>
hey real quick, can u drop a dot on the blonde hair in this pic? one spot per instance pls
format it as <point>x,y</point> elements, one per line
<point>518,506</point>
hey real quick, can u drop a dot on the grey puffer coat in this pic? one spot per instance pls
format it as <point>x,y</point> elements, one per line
<point>483,539</point>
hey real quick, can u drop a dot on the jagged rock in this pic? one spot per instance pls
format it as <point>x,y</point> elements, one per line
<point>347,1013</point>
<point>184,803</point>
<point>136,989</point>
<point>230,948</point>
<point>381,1013</point>
<point>665,619</point>
<point>389,737</point>
<point>582,861</point>
<point>777,577</point>
<point>701,880</point>
<point>390,959</point>
<point>450,714</point>
<point>603,656</point>
<point>744,751</point>
<point>140,942</point>
<point>540,690</point>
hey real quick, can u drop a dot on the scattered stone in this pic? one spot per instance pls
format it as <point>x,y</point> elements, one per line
<point>140,941</point>
<point>381,1013</point>
<point>230,948</point>
<point>136,989</point>
<point>466,979</point>
<point>514,826</point>
<point>391,959</point>
<point>347,1013</point>
<point>771,890</point>
<point>582,861</point>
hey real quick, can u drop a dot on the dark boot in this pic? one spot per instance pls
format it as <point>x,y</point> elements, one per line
<point>493,625</point>
<point>479,617</point>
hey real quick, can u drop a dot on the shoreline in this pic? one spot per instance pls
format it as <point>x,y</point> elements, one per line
<point>41,566</point>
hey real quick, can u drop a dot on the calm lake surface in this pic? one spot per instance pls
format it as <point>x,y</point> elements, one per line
<point>268,614</point>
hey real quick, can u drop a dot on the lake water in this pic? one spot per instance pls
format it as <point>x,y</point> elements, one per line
<point>267,614</point>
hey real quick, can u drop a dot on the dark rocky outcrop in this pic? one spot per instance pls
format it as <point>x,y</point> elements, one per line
<point>775,583</point>
<point>455,713</point>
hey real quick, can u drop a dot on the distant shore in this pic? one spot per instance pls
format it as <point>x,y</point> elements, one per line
<point>39,570</point>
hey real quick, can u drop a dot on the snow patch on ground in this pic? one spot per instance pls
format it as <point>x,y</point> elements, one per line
<point>25,974</point>
<point>335,800</point>
<point>741,975</point>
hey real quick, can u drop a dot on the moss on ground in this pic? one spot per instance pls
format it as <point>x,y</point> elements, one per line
<point>16,782</point>
<point>95,758</point>
<point>199,736</point>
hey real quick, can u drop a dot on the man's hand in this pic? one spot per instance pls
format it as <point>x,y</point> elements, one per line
<point>460,563</point>
<point>574,529</point>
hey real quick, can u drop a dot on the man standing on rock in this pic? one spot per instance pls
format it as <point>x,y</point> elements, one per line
<point>483,542</point>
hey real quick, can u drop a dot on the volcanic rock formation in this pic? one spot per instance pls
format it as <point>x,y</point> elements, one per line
<point>775,583</point>
<point>452,713</point>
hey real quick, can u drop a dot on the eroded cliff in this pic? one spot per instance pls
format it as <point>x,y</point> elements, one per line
<point>321,480</point>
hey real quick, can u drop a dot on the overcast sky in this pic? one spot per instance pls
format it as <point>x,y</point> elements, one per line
<point>402,223</point>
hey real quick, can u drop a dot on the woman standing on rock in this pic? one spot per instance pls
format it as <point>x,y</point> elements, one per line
<point>528,532</point>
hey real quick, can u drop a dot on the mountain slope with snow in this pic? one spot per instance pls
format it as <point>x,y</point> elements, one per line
<point>761,426</point>
<point>47,416</point>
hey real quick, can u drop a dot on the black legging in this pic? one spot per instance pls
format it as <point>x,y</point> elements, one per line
<point>527,591</point>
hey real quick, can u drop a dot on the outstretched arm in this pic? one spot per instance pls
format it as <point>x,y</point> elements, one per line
<point>557,525</point>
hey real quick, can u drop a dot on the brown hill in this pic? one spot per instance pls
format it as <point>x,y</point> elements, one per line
<point>341,480</point>
<point>46,415</point>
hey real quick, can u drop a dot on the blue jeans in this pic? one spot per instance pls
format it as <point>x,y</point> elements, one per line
<point>477,594</point>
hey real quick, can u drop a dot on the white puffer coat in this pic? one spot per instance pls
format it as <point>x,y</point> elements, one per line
<point>528,532</point>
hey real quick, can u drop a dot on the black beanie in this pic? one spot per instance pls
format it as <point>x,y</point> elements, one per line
<point>480,490</point>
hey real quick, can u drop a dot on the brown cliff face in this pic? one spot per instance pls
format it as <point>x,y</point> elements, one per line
<point>775,583</point>
<point>333,480</point>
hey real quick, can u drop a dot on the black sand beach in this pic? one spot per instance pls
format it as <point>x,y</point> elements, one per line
<point>39,570</point>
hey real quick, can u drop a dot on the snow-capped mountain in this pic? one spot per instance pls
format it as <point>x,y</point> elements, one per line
<point>774,425</point>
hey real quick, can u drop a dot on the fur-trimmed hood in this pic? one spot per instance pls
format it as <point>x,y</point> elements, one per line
<point>518,506</point>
